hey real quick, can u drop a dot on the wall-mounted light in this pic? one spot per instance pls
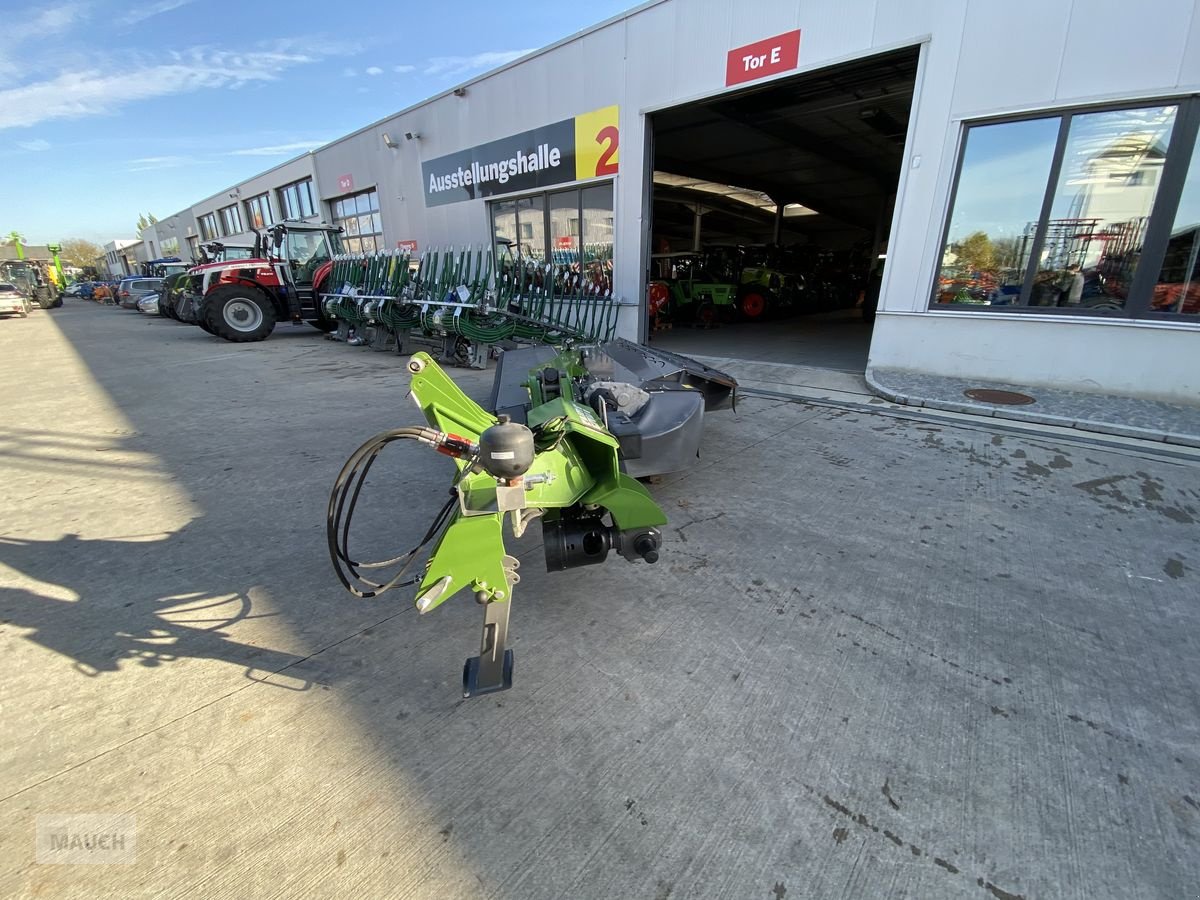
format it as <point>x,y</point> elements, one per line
<point>460,92</point>
<point>390,142</point>
<point>412,135</point>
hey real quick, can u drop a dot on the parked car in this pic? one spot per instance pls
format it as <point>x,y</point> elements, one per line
<point>133,289</point>
<point>12,300</point>
<point>73,290</point>
<point>149,305</point>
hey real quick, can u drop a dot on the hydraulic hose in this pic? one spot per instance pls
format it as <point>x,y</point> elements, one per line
<point>347,487</point>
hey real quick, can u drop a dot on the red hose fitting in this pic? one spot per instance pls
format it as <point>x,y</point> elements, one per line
<point>453,445</point>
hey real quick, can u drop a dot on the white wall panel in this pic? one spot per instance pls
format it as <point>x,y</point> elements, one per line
<point>830,30</point>
<point>702,29</point>
<point>1155,362</point>
<point>1189,68</point>
<point>897,23</point>
<point>926,171</point>
<point>1004,63</point>
<point>650,41</point>
<point>1117,46</point>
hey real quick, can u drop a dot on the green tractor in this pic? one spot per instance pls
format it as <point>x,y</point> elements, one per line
<point>687,291</point>
<point>766,277</point>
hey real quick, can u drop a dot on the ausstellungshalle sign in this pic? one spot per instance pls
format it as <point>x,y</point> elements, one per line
<point>571,150</point>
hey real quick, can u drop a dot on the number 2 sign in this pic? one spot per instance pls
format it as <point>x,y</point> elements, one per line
<point>597,143</point>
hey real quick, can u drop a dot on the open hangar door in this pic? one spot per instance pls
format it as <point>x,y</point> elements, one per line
<point>770,214</point>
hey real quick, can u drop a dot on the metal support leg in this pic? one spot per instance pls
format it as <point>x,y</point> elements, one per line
<point>492,669</point>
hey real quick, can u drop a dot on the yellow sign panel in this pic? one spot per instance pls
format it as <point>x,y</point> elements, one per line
<point>597,143</point>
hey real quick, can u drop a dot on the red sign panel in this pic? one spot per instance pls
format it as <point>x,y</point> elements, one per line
<point>762,58</point>
<point>565,242</point>
<point>345,182</point>
<point>410,246</point>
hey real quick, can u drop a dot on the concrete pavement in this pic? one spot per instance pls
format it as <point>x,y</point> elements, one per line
<point>880,656</point>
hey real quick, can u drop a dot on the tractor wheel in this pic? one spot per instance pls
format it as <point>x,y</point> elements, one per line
<point>239,314</point>
<point>204,326</point>
<point>706,315</point>
<point>752,302</point>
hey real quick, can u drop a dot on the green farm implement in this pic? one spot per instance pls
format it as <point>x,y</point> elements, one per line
<point>570,430</point>
<point>463,302</point>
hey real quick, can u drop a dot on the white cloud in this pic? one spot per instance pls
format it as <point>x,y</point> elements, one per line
<point>278,149</point>
<point>150,10</point>
<point>401,70</point>
<point>147,163</point>
<point>34,146</point>
<point>459,65</point>
<point>374,70</point>
<point>43,23</point>
<point>79,94</point>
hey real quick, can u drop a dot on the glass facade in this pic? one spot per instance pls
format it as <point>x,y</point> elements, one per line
<point>1068,212</point>
<point>571,229</point>
<point>359,215</point>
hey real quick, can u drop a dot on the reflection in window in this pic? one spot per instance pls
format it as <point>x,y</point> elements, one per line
<point>258,211</point>
<point>573,229</point>
<point>296,199</point>
<point>1101,207</point>
<point>999,198</point>
<point>208,227</point>
<point>1178,286</point>
<point>1088,229</point>
<point>564,229</point>
<point>363,228</point>
<point>597,207</point>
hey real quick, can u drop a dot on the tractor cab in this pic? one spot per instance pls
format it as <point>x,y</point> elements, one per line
<point>305,248</point>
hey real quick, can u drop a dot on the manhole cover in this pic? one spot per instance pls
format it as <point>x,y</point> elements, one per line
<point>1004,398</point>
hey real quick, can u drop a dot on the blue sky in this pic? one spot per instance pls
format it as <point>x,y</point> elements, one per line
<point>111,109</point>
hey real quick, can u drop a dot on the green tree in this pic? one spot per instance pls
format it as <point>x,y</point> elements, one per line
<point>79,252</point>
<point>976,251</point>
<point>145,220</point>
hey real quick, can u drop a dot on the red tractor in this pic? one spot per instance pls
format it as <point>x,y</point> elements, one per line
<point>240,300</point>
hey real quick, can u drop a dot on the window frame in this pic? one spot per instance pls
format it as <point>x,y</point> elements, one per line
<point>1182,145</point>
<point>545,194</point>
<point>306,184</point>
<point>208,222</point>
<point>372,213</point>
<point>265,197</point>
<point>224,214</point>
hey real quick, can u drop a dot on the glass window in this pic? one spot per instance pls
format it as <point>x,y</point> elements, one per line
<point>597,204</point>
<point>997,203</point>
<point>364,228</point>
<point>296,199</point>
<point>231,220</point>
<point>1055,211</point>
<point>564,213</point>
<point>1101,207</point>
<point>208,227</point>
<point>258,211</point>
<point>1177,289</point>
<point>572,228</point>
